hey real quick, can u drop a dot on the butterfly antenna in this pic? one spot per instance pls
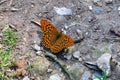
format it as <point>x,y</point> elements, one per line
<point>36,23</point>
<point>78,40</point>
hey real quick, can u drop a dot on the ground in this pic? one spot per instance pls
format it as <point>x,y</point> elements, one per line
<point>93,26</point>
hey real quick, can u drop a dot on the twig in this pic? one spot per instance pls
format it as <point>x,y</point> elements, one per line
<point>37,24</point>
<point>54,58</point>
<point>12,27</point>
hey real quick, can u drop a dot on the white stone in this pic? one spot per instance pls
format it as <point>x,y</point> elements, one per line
<point>63,11</point>
<point>76,54</point>
<point>49,70</point>
<point>37,47</point>
<point>90,7</point>
<point>26,78</point>
<point>55,77</point>
<point>119,8</point>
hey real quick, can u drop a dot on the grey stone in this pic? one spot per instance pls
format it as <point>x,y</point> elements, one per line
<point>103,63</point>
<point>76,54</point>
<point>68,56</point>
<point>98,10</point>
<point>90,18</point>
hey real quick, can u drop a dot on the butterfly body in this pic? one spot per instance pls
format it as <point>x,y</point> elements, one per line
<point>53,39</point>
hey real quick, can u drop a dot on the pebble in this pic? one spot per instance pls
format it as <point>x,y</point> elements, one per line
<point>26,78</point>
<point>80,59</point>
<point>36,47</point>
<point>63,11</point>
<point>49,70</point>
<point>68,56</point>
<point>90,18</point>
<point>90,7</point>
<point>103,63</point>
<point>39,53</point>
<point>97,10</point>
<point>76,54</point>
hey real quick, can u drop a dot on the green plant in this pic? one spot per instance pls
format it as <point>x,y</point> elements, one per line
<point>104,76</point>
<point>5,62</point>
<point>30,67</point>
<point>2,76</point>
<point>9,40</point>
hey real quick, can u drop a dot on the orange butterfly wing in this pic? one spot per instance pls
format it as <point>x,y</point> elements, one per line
<point>47,26</point>
<point>63,42</point>
<point>49,33</point>
<point>48,40</point>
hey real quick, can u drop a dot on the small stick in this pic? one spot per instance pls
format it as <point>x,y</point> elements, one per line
<point>37,24</point>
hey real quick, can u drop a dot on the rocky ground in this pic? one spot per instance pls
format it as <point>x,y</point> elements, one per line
<point>98,21</point>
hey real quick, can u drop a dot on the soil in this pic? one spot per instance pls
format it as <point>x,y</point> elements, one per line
<point>97,32</point>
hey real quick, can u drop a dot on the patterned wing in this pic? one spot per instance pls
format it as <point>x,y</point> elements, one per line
<point>63,42</point>
<point>49,33</point>
<point>47,26</point>
<point>48,39</point>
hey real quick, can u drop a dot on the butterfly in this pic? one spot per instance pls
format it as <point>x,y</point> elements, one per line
<point>53,39</point>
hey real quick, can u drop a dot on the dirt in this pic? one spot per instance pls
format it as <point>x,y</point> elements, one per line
<point>20,13</point>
